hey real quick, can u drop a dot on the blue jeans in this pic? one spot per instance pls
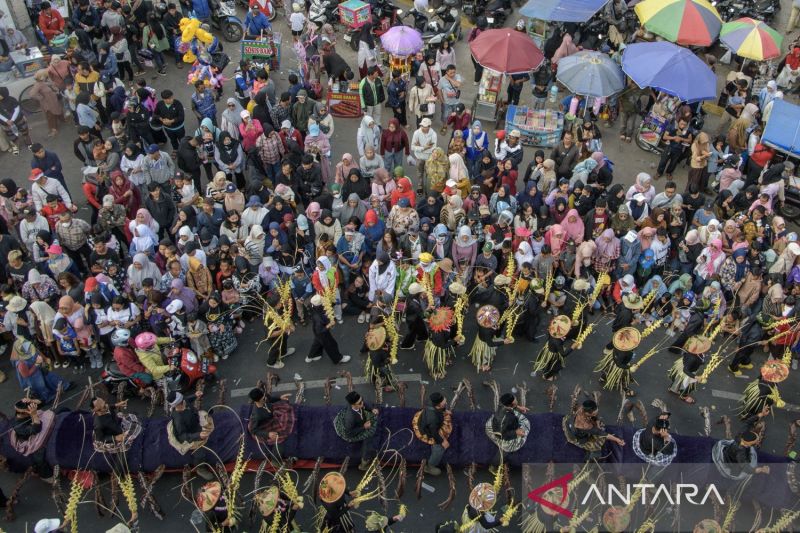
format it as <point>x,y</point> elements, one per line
<point>392,160</point>
<point>273,170</point>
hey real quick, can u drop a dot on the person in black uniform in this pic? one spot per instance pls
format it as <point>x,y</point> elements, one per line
<point>653,444</point>
<point>278,338</point>
<point>380,358</point>
<point>27,425</point>
<point>586,431</point>
<point>736,455</point>
<point>531,305</point>
<point>186,429</point>
<point>431,422</point>
<point>506,424</point>
<point>262,415</point>
<point>415,318</point>
<point>358,424</point>
<point>623,316</point>
<point>750,334</point>
<point>557,346</point>
<point>495,295</point>
<point>337,502</point>
<point>693,326</point>
<point>107,427</point>
<point>684,371</point>
<point>323,338</point>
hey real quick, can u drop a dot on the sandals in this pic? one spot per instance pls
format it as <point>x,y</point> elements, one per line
<point>687,399</point>
<point>15,149</point>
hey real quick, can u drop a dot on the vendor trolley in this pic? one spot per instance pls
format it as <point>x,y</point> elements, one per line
<point>539,127</point>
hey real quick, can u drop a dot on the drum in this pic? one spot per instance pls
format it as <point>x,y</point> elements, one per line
<point>338,425</point>
<point>509,446</point>
<point>445,431</point>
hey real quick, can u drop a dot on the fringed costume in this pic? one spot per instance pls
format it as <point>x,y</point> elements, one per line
<point>485,346</point>
<point>616,363</point>
<point>440,346</point>
<point>551,358</point>
<point>683,373</point>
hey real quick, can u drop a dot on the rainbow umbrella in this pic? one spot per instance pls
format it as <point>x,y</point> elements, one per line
<point>687,22</point>
<point>751,38</point>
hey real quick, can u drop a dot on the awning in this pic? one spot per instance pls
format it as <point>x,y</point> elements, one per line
<point>783,128</point>
<point>562,10</point>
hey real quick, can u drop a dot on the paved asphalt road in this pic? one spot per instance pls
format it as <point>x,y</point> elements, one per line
<point>512,367</point>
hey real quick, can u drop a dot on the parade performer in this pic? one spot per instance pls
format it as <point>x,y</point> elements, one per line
<point>458,299</point>
<point>415,317</point>
<point>439,348</point>
<point>211,501</point>
<point>497,295</point>
<point>615,365</point>
<point>763,392</point>
<point>750,334</point>
<point>322,323</point>
<point>683,372</point>
<point>693,326</point>
<point>585,430</point>
<point>336,501</point>
<point>486,342</point>
<point>31,430</point>
<point>327,280</point>
<point>277,320</point>
<point>378,368</point>
<point>433,425</point>
<point>477,516</point>
<point>358,423</point>
<point>624,315</point>
<point>531,309</point>
<point>737,459</point>
<point>272,418</point>
<point>653,444</point>
<point>188,431</point>
<point>551,358</point>
<point>113,432</point>
<point>277,510</point>
<point>508,427</point>
<point>430,277</point>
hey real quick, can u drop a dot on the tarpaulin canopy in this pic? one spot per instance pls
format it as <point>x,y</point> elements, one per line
<point>562,10</point>
<point>783,128</point>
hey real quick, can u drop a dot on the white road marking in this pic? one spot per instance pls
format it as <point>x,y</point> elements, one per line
<point>320,383</point>
<point>736,397</point>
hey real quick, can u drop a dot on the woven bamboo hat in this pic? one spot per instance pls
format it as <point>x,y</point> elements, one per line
<point>560,326</point>
<point>332,487</point>
<point>697,344</point>
<point>626,339</point>
<point>267,500</point>
<point>375,338</point>
<point>774,371</point>
<point>208,495</point>
<point>488,316</point>
<point>482,498</point>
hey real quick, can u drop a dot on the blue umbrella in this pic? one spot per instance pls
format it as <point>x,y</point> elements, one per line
<point>671,69</point>
<point>591,73</point>
<point>562,10</point>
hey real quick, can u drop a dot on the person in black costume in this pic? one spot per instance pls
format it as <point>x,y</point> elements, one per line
<point>323,339</point>
<point>187,429</point>
<point>27,425</point>
<point>693,326</point>
<point>415,318</point>
<point>107,428</point>
<point>358,423</point>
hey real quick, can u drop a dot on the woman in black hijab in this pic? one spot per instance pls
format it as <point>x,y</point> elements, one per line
<point>138,121</point>
<point>230,158</point>
<point>10,111</point>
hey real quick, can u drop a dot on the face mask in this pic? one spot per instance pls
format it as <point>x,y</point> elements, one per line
<point>66,224</point>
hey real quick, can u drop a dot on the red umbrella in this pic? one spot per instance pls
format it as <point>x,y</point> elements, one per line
<point>507,51</point>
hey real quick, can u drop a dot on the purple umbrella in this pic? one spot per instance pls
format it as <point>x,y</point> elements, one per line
<point>402,41</point>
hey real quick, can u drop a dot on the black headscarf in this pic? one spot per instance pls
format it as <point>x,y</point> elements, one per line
<point>383,261</point>
<point>366,35</point>
<point>11,188</point>
<point>227,153</point>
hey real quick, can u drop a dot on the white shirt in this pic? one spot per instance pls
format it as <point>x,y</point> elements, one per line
<point>297,21</point>
<point>419,140</point>
<point>381,282</point>
<point>126,314</point>
<point>51,186</point>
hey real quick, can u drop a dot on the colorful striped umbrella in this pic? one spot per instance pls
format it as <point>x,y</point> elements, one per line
<point>687,22</point>
<point>752,39</point>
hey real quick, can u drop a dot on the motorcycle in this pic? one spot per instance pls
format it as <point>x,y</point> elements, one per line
<point>434,32</point>
<point>592,33</point>
<point>112,377</point>
<point>496,12</point>
<point>223,17</point>
<point>187,368</point>
<point>323,12</point>
<point>270,8</point>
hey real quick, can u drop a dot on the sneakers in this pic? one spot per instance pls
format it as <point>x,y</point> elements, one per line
<point>432,470</point>
<point>65,364</point>
<point>225,356</point>
<point>748,366</point>
<point>363,465</point>
<point>361,318</point>
<point>736,373</point>
<point>278,365</point>
<point>56,364</point>
<point>312,359</point>
<point>339,321</point>
<point>289,352</point>
<point>344,359</point>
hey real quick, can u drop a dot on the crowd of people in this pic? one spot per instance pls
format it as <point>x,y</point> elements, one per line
<point>194,231</point>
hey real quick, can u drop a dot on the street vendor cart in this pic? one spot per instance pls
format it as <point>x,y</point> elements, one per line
<point>539,127</point>
<point>264,52</point>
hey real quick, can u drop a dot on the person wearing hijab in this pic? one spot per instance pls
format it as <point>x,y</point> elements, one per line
<point>231,118</point>
<point>369,134</point>
<point>404,190</point>
<point>476,143</point>
<point>464,247</point>
<point>459,174</point>
<point>178,291</point>
<point>141,269</point>
<point>573,225</point>
<point>318,144</point>
<point>567,48</point>
<point>143,241</point>
<point>555,238</point>
<point>229,157</point>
